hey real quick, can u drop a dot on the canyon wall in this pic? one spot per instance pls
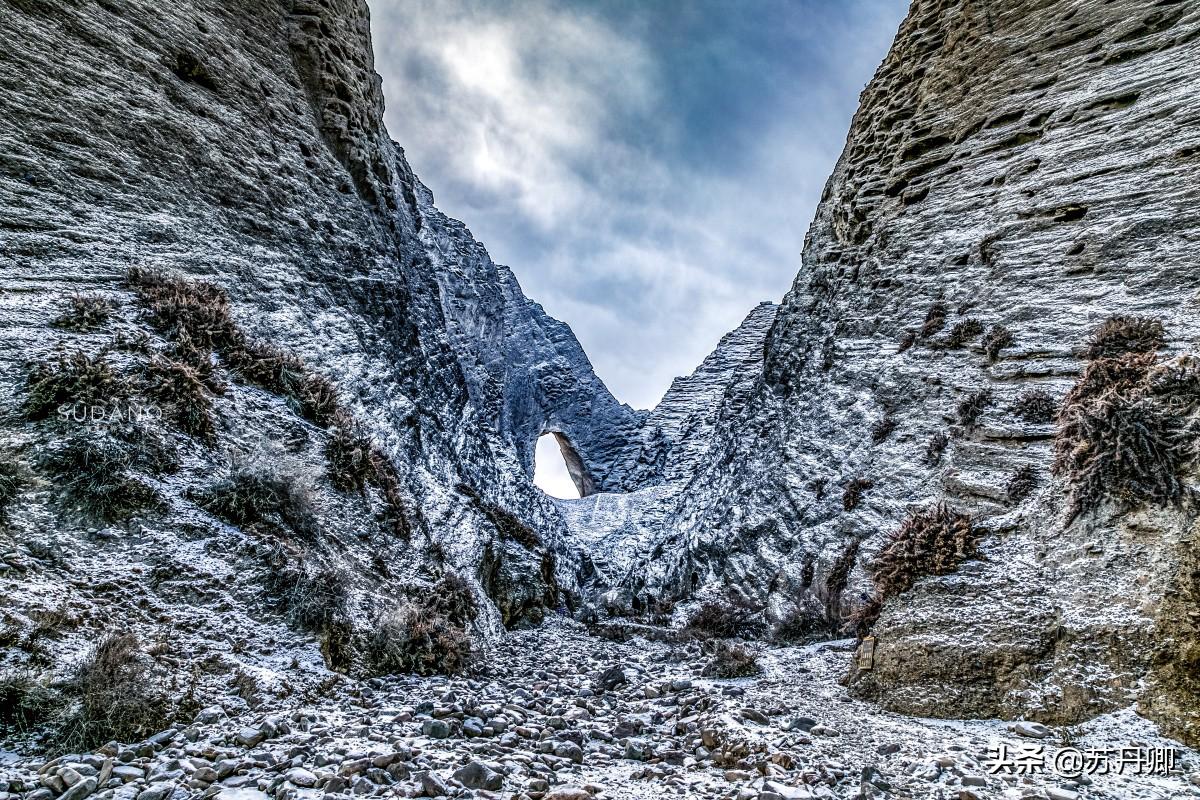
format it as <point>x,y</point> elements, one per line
<point>1016,174</point>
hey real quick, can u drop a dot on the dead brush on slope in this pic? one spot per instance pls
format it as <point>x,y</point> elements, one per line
<point>723,619</point>
<point>73,378</point>
<point>85,312</point>
<point>354,462</point>
<point>1035,406</point>
<point>26,702</point>
<point>934,541</point>
<point>183,396</point>
<point>257,493</point>
<point>883,427</point>
<point>1119,335</point>
<point>416,638</point>
<point>10,486</point>
<point>452,598</point>
<point>197,317</point>
<point>996,339</point>
<point>971,408</point>
<point>1128,430</point>
<point>508,524</point>
<point>1021,484</point>
<point>936,447</point>
<point>964,332</point>
<point>92,470</point>
<point>935,319</point>
<point>731,660</point>
<point>348,454</point>
<point>853,492</point>
<point>310,590</point>
<point>120,698</point>
<point>802,625</point>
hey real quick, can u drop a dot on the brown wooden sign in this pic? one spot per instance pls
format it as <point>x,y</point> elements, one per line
<point>866,653</point>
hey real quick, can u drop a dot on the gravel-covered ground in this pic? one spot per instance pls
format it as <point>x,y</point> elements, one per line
<point>559,714</point>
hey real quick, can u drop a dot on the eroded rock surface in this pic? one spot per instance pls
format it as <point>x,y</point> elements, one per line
<point>1028,166</point>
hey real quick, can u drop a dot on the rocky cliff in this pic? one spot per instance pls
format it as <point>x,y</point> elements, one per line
<point>1017,174</point>
<point>237,149</point>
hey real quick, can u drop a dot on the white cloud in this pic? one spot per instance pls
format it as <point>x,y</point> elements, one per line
<point>556,136</point>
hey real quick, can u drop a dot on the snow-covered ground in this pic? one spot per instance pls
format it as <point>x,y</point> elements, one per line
<point>558,714</point>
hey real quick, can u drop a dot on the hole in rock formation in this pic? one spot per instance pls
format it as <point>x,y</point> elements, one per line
<point>552,471</point>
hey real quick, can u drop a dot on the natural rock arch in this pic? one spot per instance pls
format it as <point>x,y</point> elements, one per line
<point>581,476</point>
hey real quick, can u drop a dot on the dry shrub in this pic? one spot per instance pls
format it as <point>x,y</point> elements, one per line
<point>817,487</point>
<point>10,485</point>
<point>1035,406</point>
<point>85,312</point>
<point>883,427</point>
<point>386,477</point>
<point>933,541</point>
<point>854,491</point>
<point>997,338</point>
<point>731,661</point>
<point>256,493</point>
<point>197,317</point>
<point>183,393</point>
<point>310,394</point>
<point>348,454</point>
<point>452,598</point>
<point>313,593</point>
<point>72,378</point>
<point>1119,335</point>
<point>801,625</point>
<point>971,408</point>
<point>1021,484</point>
<point>507,523</point>
<point>660,611</point>
<point>935,319</point>
<point>839,571</point>
<point>935,447</point>
<point>26,703</point>
<point>414,638</point>
<point>1128,430</point>
<point>92,471</point>
<point>733,616</point>
<point>964,332</point>
<point>907,340</point>
<point>120,698</point>
<point>354,462</point>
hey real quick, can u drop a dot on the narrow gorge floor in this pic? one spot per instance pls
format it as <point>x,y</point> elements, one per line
<point>562,715</point>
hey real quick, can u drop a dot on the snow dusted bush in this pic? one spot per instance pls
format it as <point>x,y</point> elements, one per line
<point>119,695</point>
<point>416,638</point>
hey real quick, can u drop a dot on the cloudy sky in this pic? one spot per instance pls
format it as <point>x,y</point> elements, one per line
<point>647,167</point>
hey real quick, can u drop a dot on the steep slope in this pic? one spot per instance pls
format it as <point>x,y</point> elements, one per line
<point>1017,173</point>
<point>374,368</point>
